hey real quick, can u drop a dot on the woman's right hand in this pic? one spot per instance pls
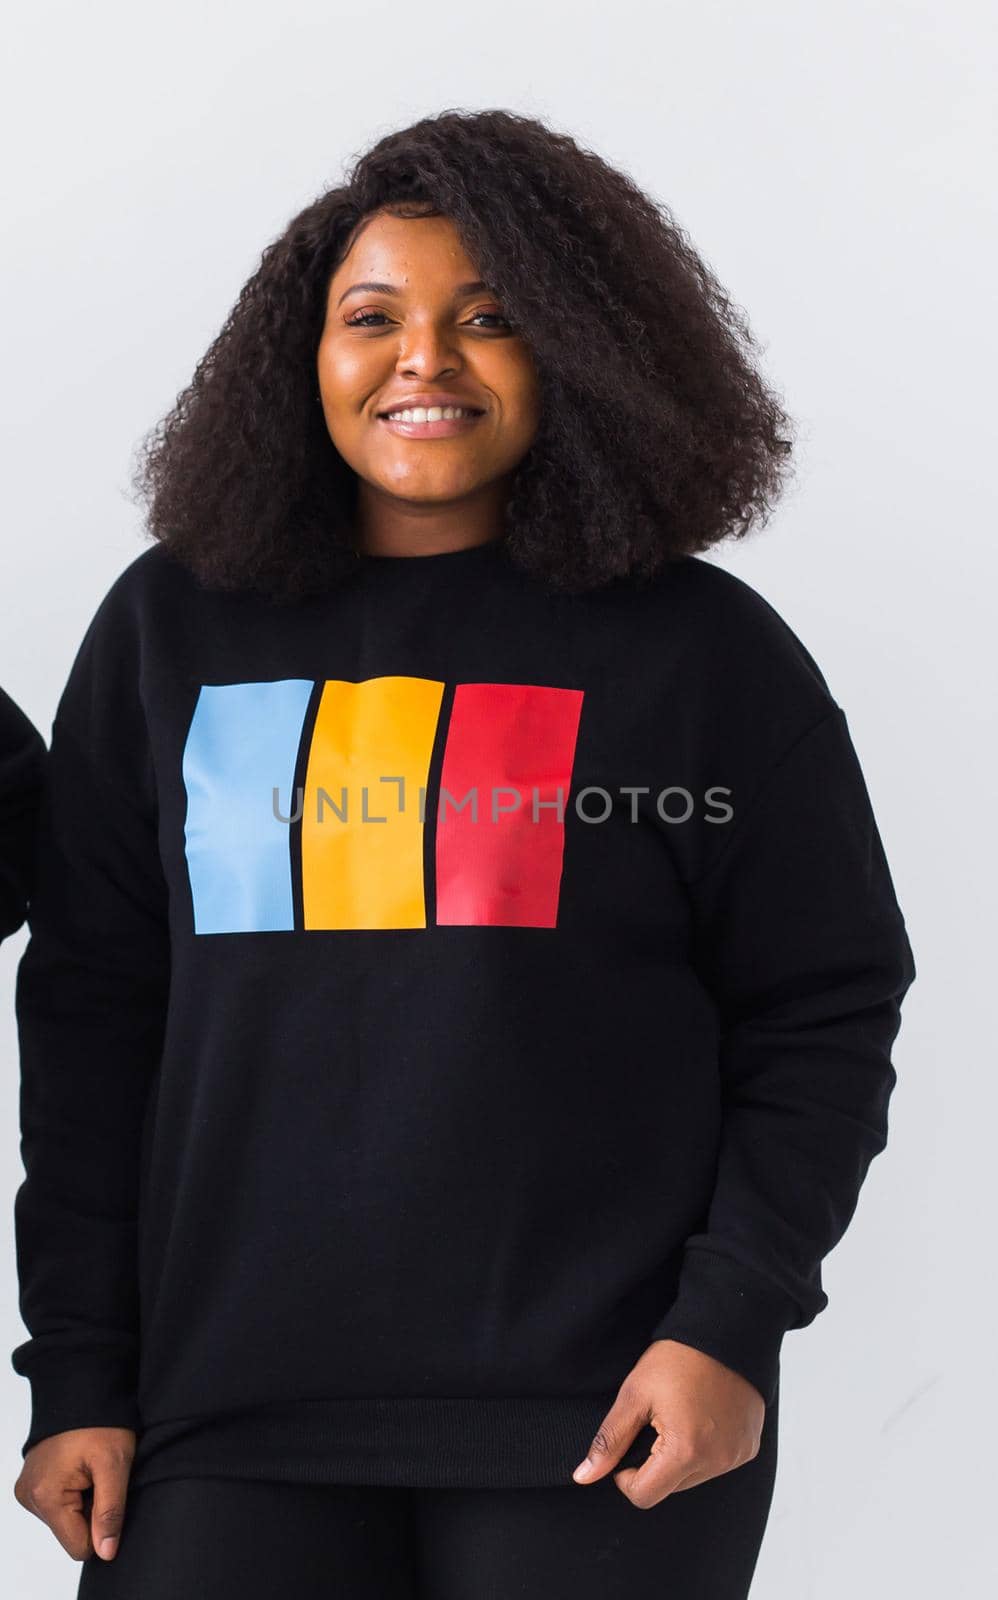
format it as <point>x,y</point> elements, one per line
<point>58,1476</point>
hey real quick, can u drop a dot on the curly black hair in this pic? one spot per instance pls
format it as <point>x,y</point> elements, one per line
<point>658,435</point>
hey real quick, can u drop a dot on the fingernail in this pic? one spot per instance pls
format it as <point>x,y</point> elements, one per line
<point>106,1547</point>
<point>585,1469</point>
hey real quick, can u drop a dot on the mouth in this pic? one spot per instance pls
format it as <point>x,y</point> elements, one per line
<point>431,422</point>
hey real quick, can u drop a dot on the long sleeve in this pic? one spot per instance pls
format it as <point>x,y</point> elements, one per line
<point>22,767</point>
<point>800,940</point>
<point>91,996</point>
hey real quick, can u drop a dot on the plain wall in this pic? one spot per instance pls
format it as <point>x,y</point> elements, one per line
<point>832,165</point>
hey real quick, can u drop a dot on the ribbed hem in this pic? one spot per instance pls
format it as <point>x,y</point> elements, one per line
<point>732,1314</point>
<point>420,1443</point>
<point>76,1389</point>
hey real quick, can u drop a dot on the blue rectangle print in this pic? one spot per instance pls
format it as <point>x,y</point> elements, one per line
<point>242,744</point>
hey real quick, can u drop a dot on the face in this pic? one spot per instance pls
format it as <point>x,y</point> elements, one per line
<point>407,325</point>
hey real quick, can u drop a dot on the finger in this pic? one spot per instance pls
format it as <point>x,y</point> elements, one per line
<point>66,1514</point>
<point>704,1474</point>
<point>110,1475</point>
<point>666,1470</point>
<point>695,1478</point>
<point>613,1437</point>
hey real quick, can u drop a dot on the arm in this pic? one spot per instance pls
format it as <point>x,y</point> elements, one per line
<point>800,940</point>
<point>91,997</point>
<point>22,767</point>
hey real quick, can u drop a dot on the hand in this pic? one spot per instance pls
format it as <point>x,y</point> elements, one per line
<point>60,1468</point>
<point>708,1419</point>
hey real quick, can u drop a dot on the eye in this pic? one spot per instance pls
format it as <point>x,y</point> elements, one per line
<point>495,315</point>
<point>363,319</point>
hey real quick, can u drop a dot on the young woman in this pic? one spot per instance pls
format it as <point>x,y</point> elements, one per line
<point>464,972</point>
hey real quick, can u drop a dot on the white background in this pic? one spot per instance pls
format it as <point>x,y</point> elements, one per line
<point>835,165</point>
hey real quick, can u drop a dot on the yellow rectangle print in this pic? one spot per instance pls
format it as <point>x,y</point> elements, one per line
<point>361,831</point>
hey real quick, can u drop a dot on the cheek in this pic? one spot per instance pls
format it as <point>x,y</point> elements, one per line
<point>524,409</point>
<point>519,388</point>
<point>344,378</point>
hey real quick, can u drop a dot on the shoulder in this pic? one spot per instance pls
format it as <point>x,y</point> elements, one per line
<point>724,607</point>
<point>725,672</point>
<point>153,583</point>
<point>107,665</point>
<point>737,640</point>
<point>147,577</point>
<point>17,731</point>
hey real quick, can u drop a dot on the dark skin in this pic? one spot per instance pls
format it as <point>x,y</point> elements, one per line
<point>423,495</point>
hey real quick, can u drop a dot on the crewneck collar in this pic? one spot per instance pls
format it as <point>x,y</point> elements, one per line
<point>471,564</point>
<point>439,561</point>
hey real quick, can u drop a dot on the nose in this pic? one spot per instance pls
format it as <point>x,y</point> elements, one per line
<point>427,352</point>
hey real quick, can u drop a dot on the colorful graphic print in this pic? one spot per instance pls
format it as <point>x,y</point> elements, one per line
<point>328,785</point>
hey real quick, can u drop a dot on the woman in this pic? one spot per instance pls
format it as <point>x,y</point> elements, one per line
<point>459,1009</point>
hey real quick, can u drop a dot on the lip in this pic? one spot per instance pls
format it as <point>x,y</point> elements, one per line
<point>444,428</point>
<point>427,397</point>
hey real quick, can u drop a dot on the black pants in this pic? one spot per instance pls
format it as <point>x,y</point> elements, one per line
<point>215,1538</point>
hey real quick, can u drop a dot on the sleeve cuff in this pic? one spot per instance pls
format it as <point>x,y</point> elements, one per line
<point>732,1314</point>
<point>77,1389</point>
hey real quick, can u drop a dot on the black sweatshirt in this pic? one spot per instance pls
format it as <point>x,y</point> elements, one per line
<point>22,768</point>
<point>437,990</point>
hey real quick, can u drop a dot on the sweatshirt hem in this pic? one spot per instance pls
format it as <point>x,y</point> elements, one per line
<point>502,1442</point>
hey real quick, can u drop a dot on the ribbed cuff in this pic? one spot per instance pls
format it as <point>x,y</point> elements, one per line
<point>732,1314</point>
<point>77,1389</point>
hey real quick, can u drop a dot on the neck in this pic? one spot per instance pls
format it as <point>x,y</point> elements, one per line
<point>390,526</point>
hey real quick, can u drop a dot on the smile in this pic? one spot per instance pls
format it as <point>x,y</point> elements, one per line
<point>432,422</point>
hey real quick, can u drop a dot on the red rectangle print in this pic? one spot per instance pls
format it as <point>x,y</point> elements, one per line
<point>510,747</point>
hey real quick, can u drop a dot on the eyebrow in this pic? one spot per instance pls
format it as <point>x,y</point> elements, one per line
<point>389,288</point>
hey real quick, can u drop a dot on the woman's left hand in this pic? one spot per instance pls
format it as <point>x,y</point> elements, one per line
<point>708,1419</point>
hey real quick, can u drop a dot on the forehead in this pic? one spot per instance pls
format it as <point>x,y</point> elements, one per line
<point>401,248</point>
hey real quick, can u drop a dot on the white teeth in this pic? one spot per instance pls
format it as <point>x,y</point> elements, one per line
<point>429,414</point>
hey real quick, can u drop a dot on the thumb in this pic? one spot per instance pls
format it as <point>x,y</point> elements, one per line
<point>110,1481</point>
<point>615,1434</point>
